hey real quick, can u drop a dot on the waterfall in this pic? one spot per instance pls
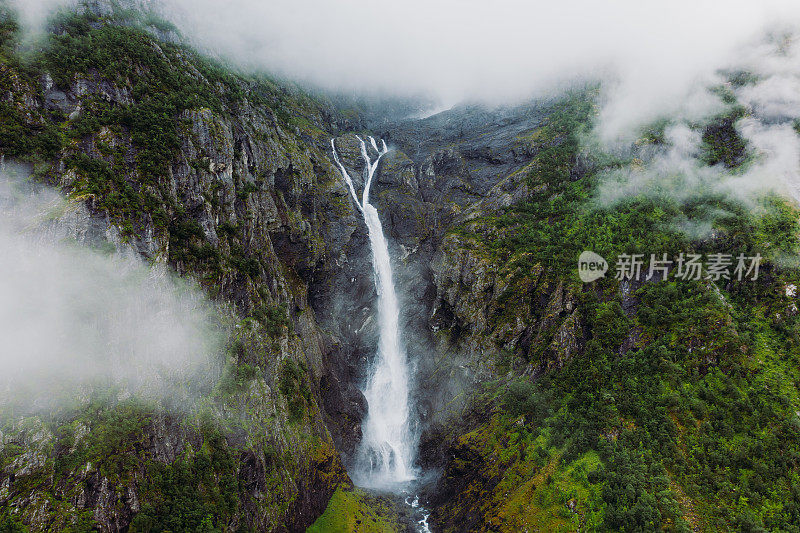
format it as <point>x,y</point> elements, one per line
<point>385,456</point>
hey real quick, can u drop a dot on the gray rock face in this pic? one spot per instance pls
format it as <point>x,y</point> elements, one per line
<point>442,283</point>
<point>485,141</point>
<point>259,193</point>
<point>459,310</point>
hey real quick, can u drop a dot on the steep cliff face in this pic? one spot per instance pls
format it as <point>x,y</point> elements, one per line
<point>226,180</point>
<point>447,179</point>
<point>473,315</point>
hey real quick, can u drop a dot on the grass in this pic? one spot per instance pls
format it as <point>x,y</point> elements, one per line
<point>353,511</point>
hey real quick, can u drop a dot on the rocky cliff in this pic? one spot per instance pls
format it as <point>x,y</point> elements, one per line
<point>226,180</point>
<point>551,404</point>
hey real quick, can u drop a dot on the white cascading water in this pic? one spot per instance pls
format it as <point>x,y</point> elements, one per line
<point>385,456</point>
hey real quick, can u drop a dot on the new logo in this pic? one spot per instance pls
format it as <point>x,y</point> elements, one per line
<point>591,266</point>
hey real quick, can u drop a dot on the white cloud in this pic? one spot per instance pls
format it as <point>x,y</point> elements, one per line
<point>495,51</point>
<point>33,13</point>
<point>777,148</point>
<point>72,317</point>
<point>472,49</point>
<point>772,101</point>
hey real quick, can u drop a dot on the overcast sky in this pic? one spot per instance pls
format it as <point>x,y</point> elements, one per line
<point>498,51</point>
<point>476,49</point>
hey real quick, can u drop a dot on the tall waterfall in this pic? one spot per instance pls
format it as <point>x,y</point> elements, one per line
<point>385,456</point>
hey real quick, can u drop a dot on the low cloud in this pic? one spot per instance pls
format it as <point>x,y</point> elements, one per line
<point>651,54</point>
<point>770,96</point>
<point>33,14</point>
<point>73,318</point>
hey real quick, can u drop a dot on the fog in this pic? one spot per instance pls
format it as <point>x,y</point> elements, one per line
<point>34,13</point>
<point>74,318</point>
<point>772,101</point>
<point>651,54</point>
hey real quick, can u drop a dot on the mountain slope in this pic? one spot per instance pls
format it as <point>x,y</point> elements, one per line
<point>223,179</point>
<point>615,405</point>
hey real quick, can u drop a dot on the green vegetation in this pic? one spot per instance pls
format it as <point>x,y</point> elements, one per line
<point>688,407</point>
<point>683,411</point>
<point>721,141</point>
<point>110,443</point>
<point>274,318</point>
<point>559,221</point>
<point>195,493</point>
<point>352,511</point>
<point>132,121</point>
<point>561,218</point>
<point>111,191</point>
<point>9,525</point>
<point>237,373</point>
<point>198,491</point>
<point>19,137</point>
<point>161,87</point>
<point>294,387</point>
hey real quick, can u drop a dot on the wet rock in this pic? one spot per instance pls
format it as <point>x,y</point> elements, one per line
<point>267,202</point>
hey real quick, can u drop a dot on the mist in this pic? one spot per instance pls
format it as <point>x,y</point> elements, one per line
<point>75,320</point>
<point>771,99</point>
<point>650,54</point>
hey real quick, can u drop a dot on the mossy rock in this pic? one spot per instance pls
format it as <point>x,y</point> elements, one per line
<point>353,510</point>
